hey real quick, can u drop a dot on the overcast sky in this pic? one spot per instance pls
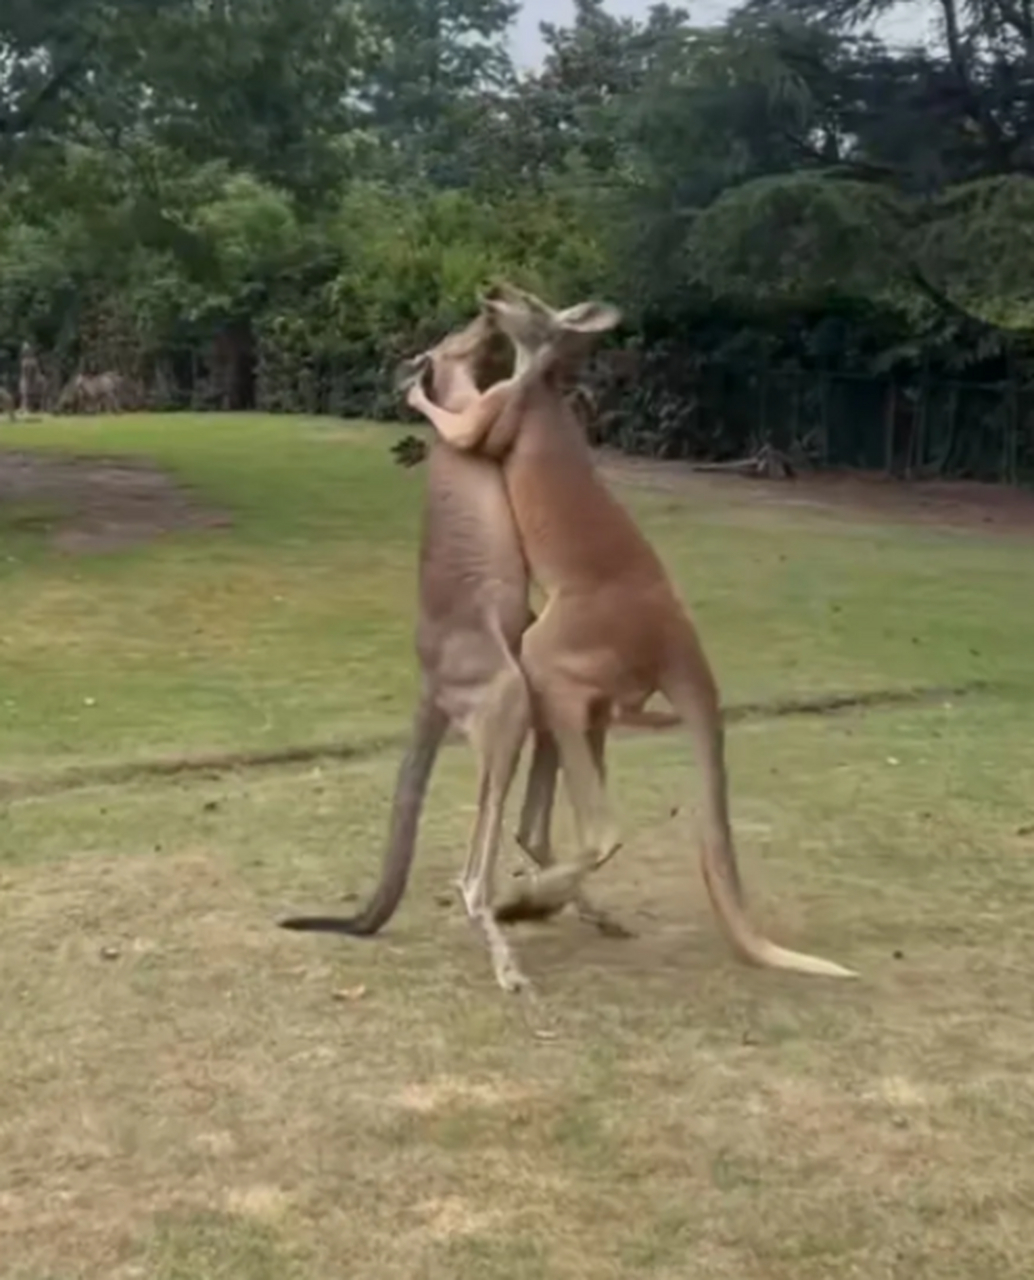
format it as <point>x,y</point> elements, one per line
<point>907,22</point>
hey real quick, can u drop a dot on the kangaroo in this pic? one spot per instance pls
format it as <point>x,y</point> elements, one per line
<point>473,611</point>
<point>612,631</point>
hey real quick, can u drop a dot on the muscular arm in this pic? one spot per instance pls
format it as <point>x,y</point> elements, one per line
<point>467,429</point>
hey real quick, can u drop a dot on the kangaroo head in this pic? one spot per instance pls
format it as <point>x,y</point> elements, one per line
<point>530,324</point>
<point>461,365</point>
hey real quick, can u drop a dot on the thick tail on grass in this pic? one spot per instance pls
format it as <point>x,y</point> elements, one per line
<point>414,773</point>
<point>691,691</point>
<point>544,896</point>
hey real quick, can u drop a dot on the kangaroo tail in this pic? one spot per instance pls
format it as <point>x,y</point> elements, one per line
<point>414,774</point>
<point>690,689</point>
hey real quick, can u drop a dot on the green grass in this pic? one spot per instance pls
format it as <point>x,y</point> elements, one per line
<point>296,624</point>
<point>189,1092</point>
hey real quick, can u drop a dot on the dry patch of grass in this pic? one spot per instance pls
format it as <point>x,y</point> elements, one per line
<point>95,504</point>
<point>192,1092</point>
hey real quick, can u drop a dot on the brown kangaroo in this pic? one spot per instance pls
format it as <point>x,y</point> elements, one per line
<point>473,611</point>
<point>613,630</point>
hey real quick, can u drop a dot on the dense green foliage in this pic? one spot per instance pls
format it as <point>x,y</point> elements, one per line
<point>264,202</point>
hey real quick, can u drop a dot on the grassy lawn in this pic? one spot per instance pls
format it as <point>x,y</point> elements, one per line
<point>191,1094</point>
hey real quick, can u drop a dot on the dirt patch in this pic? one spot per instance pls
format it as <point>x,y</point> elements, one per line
<point>100,503</point>
<point>262,1201</point>
<point>448,1091</point>
<point>962,504</point>
<point>453,1216</point>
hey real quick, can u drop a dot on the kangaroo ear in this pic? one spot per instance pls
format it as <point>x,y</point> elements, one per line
<point>496,308</point>
<point>410,371</point>
<point>590,317</point>
<point>499,291</point>
<point>501,298</point>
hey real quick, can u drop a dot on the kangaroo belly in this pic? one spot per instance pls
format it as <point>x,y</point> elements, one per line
<point>572,528</point>
<point>473,574</point>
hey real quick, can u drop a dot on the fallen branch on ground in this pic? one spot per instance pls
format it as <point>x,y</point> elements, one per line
<point>767,463</point>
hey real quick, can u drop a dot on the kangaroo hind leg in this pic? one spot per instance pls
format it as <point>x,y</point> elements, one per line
<point>497,732</point>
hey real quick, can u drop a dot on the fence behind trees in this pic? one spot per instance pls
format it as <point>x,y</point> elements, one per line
<point>908,426</point>
<point>662,406</point>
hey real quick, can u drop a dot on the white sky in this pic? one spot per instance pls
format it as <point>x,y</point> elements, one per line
<point>908,21</point>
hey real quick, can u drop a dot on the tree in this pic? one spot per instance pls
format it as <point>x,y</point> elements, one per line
<point>435,66</point>
<point>55,60</point>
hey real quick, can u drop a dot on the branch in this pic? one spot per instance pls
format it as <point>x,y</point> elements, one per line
<point>20,122</point>
<point>1021,18</point>
<point>948,305</point>
<point>843,167</point>
<point>974,106</point>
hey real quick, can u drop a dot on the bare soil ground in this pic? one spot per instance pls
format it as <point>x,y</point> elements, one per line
<point>98,503</point>
<point>962,504</point>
